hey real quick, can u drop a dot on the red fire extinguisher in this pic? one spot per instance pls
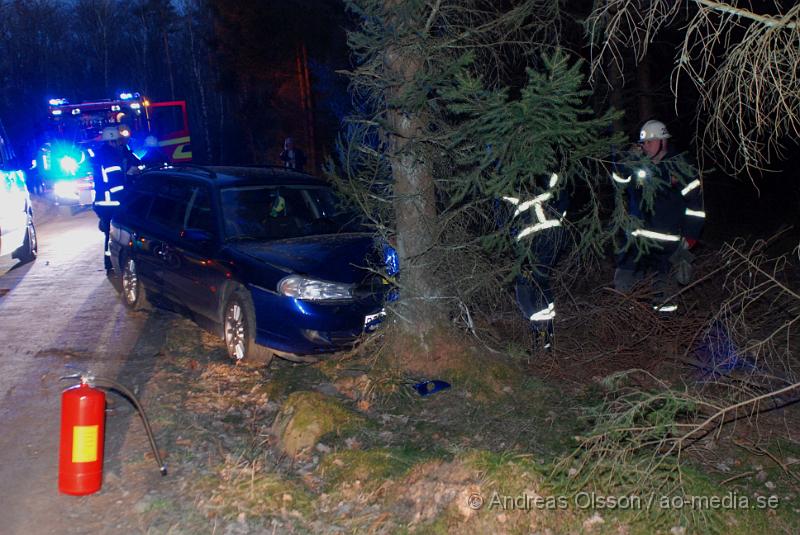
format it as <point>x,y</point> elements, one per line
<point>80,463</point>
<point>83,413</point>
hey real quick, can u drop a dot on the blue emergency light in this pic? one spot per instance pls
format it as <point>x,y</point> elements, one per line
<point>69,165</point>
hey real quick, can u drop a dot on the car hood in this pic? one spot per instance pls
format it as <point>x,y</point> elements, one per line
<point>339,257</point>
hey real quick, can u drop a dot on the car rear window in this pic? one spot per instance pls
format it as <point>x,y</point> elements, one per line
<point>170,204</point>
<point>200,215</point>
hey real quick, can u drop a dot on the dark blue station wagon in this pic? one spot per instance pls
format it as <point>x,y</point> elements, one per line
<point>266,253</point>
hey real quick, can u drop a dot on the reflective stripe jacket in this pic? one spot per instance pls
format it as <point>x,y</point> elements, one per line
<point>667,196</point>
<point>109,169</point>
<point>541,212</point>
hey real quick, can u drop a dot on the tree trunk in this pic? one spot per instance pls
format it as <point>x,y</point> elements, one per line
<point>200,86</point>
<point>305,84</point>
<point>415,206</point>
<point>169,65</point>
<point>145,86</point>
<point>645,85</point>
<point>616,96</point>
<point>221,136</point>
<point>102,22</point>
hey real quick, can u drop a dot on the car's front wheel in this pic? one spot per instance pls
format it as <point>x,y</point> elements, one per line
<point>30,246</point>
<point>133,292</point>
<point>238,327</point>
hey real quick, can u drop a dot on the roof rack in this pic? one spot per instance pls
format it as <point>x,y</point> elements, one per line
<point>279,167</point>
<point>193,166</point>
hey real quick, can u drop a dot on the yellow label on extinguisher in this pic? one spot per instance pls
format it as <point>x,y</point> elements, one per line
<point>84,443</point>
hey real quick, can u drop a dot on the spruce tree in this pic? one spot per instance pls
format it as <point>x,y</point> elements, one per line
<point>443,132</point>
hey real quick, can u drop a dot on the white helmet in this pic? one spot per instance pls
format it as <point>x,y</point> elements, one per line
<point>653,130</point>
<point>109,133</point>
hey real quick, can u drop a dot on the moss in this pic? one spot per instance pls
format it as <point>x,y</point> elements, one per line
<point>285,378</point>
<point>371,467</point>
<point>555,417</point>
<point>506,473</point>
<point>161,504</point>
<point>485,376</point>
<point>256,494</point>
<point>306,417</point>
<point>332,368</point>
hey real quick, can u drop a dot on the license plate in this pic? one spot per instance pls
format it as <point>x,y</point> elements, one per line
<point>371,321</point>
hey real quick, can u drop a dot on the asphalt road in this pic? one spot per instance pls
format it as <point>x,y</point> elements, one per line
<point>56,311</point>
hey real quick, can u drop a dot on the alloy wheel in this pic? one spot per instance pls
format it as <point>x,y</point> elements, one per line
<point>130,282</point>
<point>235,336</point>
<point>33,244</point>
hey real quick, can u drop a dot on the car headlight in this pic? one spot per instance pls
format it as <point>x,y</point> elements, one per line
<point>68,164</point>
<point>65,189</point>
<point>301,287</point>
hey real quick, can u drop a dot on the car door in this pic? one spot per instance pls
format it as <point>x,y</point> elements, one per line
<point>194,274</point>
<point>154,236</point>
<point>130,232</point>
<point>13,200</point>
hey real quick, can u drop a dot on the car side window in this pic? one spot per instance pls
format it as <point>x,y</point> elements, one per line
<point>170,204</point>
<point>138,203</point>
<point>200,216</point>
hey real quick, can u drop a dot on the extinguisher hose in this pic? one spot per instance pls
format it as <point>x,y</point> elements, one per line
<point>126,393</point>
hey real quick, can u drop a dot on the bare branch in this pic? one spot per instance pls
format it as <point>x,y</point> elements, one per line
<point>744,65</point>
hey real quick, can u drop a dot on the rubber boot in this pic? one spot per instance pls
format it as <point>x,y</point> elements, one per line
<point>543,338</point>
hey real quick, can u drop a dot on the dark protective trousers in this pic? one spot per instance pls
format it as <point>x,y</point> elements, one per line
<point>631,270</point>
<point>533,288</point>
<point>105,213</point>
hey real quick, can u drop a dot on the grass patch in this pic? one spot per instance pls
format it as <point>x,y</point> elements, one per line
<point>284,378</point>
<point>305,417</point>
<point>637,454</point>
<point>506,473</point>
<point>254,492</point>
<point>485,377</point>
<point>372,467</point>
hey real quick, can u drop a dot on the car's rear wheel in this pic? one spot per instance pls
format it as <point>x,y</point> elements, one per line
<point>238,328</point>
<point>30,246</point>
<point>133,293</point>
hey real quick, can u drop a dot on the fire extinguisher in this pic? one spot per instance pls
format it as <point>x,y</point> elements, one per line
<point>83,412</point>
<point>83,422</point>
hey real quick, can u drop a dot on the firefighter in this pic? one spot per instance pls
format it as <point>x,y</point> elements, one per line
<point>111,162</point>
<point>666,201</point>
<point>537,225</point>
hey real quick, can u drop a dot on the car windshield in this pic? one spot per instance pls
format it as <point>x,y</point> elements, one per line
<point>277,212</point>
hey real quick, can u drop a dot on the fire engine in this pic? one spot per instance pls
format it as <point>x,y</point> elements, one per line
<point>73,129</point>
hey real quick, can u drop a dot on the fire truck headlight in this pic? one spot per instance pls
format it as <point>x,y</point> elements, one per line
<point>65,189</point>
<point>68,164</point>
